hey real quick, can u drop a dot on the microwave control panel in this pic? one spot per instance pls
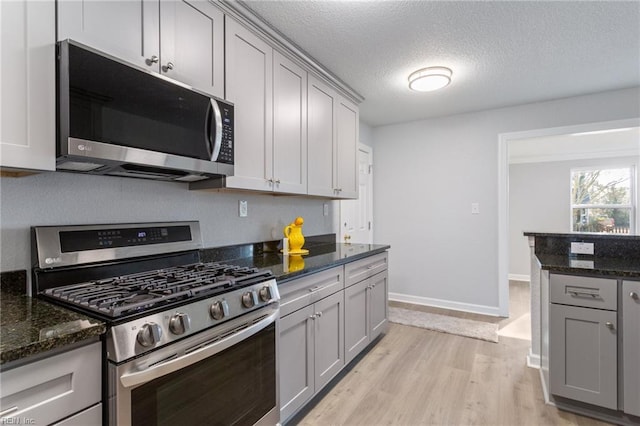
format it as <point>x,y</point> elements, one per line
<point>226,147</point>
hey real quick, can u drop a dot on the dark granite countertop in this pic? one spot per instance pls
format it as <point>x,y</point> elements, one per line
<point>589,265</point>
<point>591,235</point>
<point>321,256</point>
<point>30,326</point>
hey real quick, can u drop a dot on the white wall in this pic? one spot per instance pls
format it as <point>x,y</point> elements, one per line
<point>366,134</point>
<point>65,198</point>
<point>427,175</point>
<point>539,200</point>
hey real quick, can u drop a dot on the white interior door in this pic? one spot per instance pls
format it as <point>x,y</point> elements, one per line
<point>356,216</point>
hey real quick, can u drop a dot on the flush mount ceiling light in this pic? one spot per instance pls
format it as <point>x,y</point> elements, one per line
<point>429,79</point>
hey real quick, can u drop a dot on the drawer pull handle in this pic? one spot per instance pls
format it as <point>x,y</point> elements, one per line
<point>609,325</point>
<point>584,293</point>
<point>9,411</point>
<point>312,289</point>
<point>633,295</point>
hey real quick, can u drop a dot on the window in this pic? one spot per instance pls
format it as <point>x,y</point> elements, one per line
<point>602,200</point>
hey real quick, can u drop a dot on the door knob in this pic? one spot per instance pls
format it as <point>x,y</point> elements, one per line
<point>633,295</point>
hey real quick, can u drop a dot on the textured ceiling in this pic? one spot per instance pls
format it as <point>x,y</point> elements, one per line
<point>502,52</point>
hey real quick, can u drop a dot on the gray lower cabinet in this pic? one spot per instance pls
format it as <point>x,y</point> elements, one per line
<point>631,346</point>
<point>366,305</point>
<point>323,326</point>
<point>583,340</point>
<point>63,386</point>
<point>311,337</point>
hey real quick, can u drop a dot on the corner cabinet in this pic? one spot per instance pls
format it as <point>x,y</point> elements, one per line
<point>180,39</point>
<point>27,84</point>
<point>333,124</point>
<point>323,326</point>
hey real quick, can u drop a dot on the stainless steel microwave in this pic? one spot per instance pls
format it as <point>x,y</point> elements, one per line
<point>116,119</point>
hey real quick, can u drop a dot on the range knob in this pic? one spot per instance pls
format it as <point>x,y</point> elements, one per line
<point>249,299</point>
<point>219,309</point>
<point>149,334</point>
<point>265,293</point>
<point>179,323</point>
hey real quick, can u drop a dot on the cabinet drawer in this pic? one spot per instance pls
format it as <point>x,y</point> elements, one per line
<point>301,292</point>
<point>590,292</point>
<point>364,268</point>
<point>52,388</point>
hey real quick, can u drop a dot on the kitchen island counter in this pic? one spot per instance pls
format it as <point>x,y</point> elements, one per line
<point>30,326</point>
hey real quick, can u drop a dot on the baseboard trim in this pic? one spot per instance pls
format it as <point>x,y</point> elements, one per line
<point>519,277</point>
<point>493,311</point>
<point>533,360</point>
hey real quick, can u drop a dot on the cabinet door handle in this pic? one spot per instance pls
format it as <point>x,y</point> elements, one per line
<point>313,317</point>
<point>278,181</point>
<point>152,60</point>
<point>168,67</point>
<point>633,295</point>
<point>318,314</point>
<point>609,325</point>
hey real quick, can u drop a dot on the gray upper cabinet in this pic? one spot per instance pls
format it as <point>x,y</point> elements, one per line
<point>289,155</point>
<point>249,80</point>
<point>346,147</point>
<point>27,84</point>
<point>322,105</point>
<point>631,346</point>
<point>333,124</point>
<point>180,39</point>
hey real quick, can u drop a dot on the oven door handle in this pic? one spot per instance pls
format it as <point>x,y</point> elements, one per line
<point>162,369</point>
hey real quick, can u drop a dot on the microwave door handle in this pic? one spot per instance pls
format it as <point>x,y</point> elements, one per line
<point>214,139</point>
<point>162,369</point>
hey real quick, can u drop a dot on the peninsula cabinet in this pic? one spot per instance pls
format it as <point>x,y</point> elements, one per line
<point>27,84</point>
<point>177,38</point>
<point>631,346</point>
<point>583,339</point>
<point>333,124</point>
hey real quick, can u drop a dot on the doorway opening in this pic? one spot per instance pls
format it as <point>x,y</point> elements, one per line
<point>507,151</point>
<point>356,216</point>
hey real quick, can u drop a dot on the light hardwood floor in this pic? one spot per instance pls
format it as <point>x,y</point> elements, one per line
<point>414,376</point>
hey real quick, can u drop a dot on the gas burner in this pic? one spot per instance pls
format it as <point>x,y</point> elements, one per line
<point>133,293</point>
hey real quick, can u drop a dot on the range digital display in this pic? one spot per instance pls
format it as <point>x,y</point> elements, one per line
<point>97,239</point>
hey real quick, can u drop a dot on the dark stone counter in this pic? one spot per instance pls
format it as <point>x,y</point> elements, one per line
<point>30,326</point>
<point>324,253</point>
<point>614,254</point>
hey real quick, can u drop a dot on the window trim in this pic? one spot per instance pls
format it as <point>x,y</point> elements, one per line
<point>632,206</point>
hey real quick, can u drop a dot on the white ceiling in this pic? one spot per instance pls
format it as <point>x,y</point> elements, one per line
<point>502,52</point>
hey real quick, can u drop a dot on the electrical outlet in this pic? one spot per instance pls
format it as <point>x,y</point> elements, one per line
<point>475,208</point>
<point>581,248</point>
<point>242,208</point>
<point>325,209</point>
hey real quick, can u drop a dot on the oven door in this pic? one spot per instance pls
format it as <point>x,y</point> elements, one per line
<point>226,375</point>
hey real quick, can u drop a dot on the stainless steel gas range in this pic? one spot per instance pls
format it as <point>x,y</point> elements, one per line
<point>187,342</point>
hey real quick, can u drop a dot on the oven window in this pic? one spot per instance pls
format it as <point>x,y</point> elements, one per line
<point>236,386</point>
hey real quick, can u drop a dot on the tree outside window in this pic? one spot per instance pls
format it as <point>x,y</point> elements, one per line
<point>602,200</point>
